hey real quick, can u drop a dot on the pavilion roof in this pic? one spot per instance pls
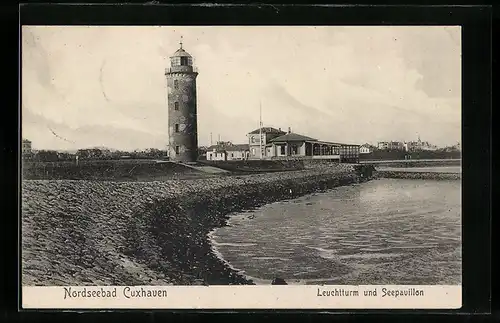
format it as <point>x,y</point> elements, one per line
<point>292,137</point>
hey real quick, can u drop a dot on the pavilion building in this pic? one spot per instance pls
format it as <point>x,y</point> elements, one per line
<point>292,145</point>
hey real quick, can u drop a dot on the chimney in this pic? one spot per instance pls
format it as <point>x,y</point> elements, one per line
<point>289,130</point>
<point>279,129</point>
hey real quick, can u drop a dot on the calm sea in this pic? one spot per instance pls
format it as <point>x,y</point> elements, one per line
<point>386,231</point>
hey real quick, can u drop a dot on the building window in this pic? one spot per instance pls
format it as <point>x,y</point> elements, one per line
<point>177,150</point>
<point>282,150</point>
<point>253,139</point>
<point>176,106</point>
<point>175,61</point>
<point>184,61</point>
<point>176,84</point>
<point>176,127</point>
<point>253,151</point>
<point>232,154</point>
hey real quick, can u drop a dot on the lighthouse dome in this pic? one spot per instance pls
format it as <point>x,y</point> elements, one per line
<point>181,61</point>
<point>181,53</point>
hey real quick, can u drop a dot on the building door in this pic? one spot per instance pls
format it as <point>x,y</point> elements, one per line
<point>308,149</point>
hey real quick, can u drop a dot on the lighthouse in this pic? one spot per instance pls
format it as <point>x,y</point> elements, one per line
<point>182,110</point>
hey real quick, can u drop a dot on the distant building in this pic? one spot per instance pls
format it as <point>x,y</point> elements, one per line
<point>365,149</point>
<point>412,146</point>
<point>383,145</point>
<point>216,153</point>
<point>258,145</point>
<point>26,147</point>
<point>419,145</point>
<point>228,151</point>
<point>238,152</point>
<point>397,145</point>
<point>391,145</point>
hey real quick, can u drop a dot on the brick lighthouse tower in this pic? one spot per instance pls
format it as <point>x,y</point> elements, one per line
<point>182,114</point>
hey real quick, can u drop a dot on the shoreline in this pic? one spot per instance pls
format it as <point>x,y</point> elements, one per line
<point>211,210</point>
<point>133,233</point>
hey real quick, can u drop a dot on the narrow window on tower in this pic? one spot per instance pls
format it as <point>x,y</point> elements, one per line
<point>176,84</point>
<point>176,127</point>
<point>176,106</point>
<point>184,60</point>
<point>177,149</point>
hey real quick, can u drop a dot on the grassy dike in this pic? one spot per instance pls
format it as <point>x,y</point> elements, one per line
<point>144,233</point>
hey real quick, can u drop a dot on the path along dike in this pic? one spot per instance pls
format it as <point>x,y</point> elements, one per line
<point>80,232</point>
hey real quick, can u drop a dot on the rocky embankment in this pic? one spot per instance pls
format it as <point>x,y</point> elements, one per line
<point>418,175</point>
<point>77,232</point>
<point>415,163</point>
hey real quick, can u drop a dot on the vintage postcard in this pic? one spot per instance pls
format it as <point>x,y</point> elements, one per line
<point>241,167</point>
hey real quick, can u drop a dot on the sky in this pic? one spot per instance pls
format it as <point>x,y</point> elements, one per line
<point>97,86</point>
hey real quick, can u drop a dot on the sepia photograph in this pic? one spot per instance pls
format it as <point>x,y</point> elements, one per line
<point>226,159</point>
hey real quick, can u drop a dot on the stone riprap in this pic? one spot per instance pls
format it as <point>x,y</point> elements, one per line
<point>78,232</point>
<point>418,175</point>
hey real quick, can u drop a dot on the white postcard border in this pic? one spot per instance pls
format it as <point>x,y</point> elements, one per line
<point>243,297</point>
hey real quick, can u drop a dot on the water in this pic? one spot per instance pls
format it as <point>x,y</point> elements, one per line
<point>386,231</point>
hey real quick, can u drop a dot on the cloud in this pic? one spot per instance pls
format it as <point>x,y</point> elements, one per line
<point>62,137</point>
<point>353,84</point>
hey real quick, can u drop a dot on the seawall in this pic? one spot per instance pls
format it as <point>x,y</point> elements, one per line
<point>418,175</point>
<point>110,170</point>
<point>413,163</point>
<point>257,166</point>
<point>133,233</point>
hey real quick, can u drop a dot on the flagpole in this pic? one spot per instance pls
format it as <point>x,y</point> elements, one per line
<point>260,128</point>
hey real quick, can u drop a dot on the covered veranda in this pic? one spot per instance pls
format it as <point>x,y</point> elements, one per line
<point>310,149</point>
